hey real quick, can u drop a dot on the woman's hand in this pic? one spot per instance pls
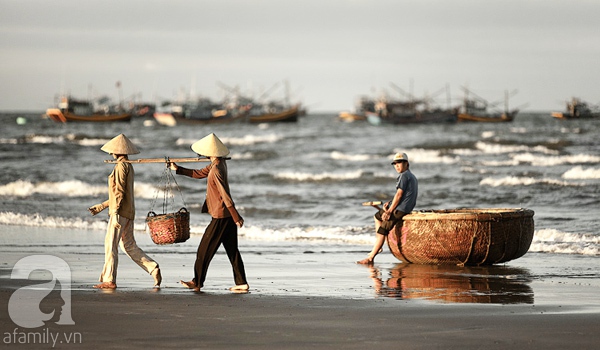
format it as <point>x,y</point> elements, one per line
<point>172,166</point>
<point>96,209</point>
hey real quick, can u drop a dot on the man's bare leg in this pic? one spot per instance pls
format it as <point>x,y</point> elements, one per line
<point>240,288</point>
<point>190,285</point>
<point>377,247</point>
<point>157,277</point>
<point>106,285</point>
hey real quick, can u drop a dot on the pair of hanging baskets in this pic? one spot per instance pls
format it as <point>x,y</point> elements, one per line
<point>173,227</point>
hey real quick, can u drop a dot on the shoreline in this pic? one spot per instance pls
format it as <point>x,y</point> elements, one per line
<point>304,294</point>
<point>145,318</point>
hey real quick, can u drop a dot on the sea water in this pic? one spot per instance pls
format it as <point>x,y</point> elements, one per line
<point>304,182</point>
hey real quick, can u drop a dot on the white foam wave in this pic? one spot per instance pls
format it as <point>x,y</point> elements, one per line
<point>56,139</point>
<point>554,241</point>
<point>37,220</point>
<point>537,160</point>
<point>488,134</point>
<point>489,148</point>
<point>297,176</point>
<point>520,130</point>
<point>348,235</point>
<point>579,172</point>
<point>71,188</point>
<point>424,156</point>
<point>351,157</point>
<point>522,181</point>
<point>246,140</point>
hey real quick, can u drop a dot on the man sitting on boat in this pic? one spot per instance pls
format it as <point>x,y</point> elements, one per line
<point>392,212</point>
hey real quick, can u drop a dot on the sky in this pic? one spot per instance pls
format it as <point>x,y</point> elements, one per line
<point>329,52</point>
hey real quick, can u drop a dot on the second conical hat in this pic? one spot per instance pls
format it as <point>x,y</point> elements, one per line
<point>120,145</point>
<point>210,146</point>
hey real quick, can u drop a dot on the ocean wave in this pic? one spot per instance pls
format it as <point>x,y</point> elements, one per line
<point>307,177</point>
<point>425,156</point>
<point>554,241</point>
<point>351,157</point>
<point>56,139</point>
<point>492,148</point>
<point>71,188</point>
<point>537,160</point>
<point>347,235</point>
<point>579,172</point>
<point>246,140</point>
<point>544,240</point>
<point>38,220</point>
<point>523,181</point>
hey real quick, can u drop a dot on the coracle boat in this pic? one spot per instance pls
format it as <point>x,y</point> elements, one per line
<point>462,236</point>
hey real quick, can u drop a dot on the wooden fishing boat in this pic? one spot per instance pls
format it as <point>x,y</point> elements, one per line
<point>286,115</point>
<point>577,109</point>
<point>489,118</point>
<point>71,110</point>
<point>462,236</point>
<point>362,105</point>
<point>407,112</point>
<point>200,111</point>
<point>350,117</point>
<point>476,109</point>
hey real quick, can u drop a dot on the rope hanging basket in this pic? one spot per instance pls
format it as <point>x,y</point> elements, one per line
<point>169,228</point>
<point>463,236</point>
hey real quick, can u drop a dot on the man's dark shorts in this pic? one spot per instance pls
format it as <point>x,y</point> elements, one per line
<point>386,226</point>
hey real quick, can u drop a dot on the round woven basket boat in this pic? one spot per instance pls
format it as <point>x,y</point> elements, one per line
<point>462,236</point>
<point>169,228</point>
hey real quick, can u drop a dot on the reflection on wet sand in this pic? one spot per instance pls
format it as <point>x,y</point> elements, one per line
<point>481,284</point>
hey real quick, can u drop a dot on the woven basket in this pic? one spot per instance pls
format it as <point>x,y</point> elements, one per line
<point>463,236</point>
<point>169,228</point>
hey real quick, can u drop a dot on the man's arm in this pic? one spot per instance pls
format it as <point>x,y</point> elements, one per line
<point>390,209</point>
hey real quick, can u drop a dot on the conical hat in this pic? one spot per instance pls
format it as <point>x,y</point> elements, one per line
<point>210,146</point>
<point>120,145</point>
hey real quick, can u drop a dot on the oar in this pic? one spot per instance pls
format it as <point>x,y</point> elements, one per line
<point>161,160</point>
<point>375,204</point>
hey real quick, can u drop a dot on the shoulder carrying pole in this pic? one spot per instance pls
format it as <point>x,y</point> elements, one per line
<point>161,160</point>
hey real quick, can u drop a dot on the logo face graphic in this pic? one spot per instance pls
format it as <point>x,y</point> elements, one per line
<point>24,304</point>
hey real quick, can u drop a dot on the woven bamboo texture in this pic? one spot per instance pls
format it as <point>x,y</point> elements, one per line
<point>463,236</point>
<point>169,228</point>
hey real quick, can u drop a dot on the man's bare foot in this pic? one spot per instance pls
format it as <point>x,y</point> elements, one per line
<point>190,285</point>
<point>106,285</point>
<point>240,288</point>
<point>365,261</point>
<point>157,277</point>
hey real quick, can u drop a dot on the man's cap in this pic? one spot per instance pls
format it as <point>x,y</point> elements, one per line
<point>400,157</point>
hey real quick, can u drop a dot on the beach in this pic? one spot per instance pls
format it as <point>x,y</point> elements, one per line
<point>316,297</point>
<point>300,189</point>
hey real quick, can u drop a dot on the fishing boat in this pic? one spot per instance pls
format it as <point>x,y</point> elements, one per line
<point>576,109</point>
<point>200,111</point>
<point>274,113</point>
<point>462,236</point>
<point>401,112</point>
<point>72,110</point>
<point>363,105</point>
<point>477,109</point>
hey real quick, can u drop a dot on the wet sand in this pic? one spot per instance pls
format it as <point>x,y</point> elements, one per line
<point>309,296</point>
